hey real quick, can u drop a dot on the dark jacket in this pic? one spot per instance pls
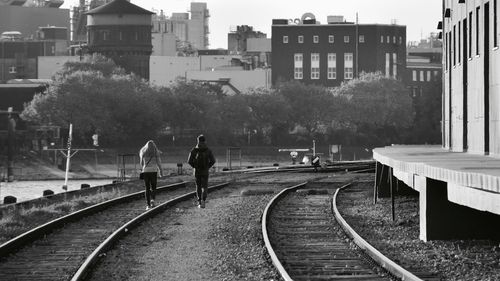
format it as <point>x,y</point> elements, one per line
<point>200,147</point>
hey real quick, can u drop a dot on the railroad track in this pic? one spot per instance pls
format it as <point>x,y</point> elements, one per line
<point>308,239</point>
<point>67,247</point>
<point>305,244</point>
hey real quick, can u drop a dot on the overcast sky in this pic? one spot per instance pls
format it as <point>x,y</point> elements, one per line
<point>419,16</point>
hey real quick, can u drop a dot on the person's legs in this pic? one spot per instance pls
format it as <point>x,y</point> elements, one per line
<point>154,181</point>
<point>199,188</point>
<point>204,184</point>
<point>147,184</point>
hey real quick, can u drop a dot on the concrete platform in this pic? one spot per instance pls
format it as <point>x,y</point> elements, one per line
<point>454,187</point>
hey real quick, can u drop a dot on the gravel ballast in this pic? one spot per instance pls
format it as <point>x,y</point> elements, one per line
<point>221,242</point>
<point>399,240</point>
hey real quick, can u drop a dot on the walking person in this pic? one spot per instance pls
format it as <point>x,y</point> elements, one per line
<point>150,162</point>
<point>201,159</point>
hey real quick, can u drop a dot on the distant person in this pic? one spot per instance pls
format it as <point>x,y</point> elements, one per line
<point>201,159</point>
<point>151,164</point>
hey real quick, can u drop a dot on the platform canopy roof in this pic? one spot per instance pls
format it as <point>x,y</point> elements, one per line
<point>119,7</point>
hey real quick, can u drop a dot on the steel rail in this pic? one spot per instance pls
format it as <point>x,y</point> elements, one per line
<point>120,232</point>
<point>267,242</point>
<point>35,233</point>
<point>376,255</point>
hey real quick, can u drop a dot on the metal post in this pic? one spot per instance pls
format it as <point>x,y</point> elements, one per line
<point>68,157</point>
<point>392,194</point>
<point>314,148</point>
<point>375,184</point>
<point>11,134</point>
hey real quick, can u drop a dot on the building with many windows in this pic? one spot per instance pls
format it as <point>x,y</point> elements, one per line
<point>424,65</point>
<point>459,181</point>
<point>328,54</point>
<point>471,76</point>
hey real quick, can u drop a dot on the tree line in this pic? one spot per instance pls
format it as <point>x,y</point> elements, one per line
<point>96,96</point>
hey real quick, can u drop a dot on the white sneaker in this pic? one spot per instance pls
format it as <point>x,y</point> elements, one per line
<point>147,208</point>
<point>152,203</point>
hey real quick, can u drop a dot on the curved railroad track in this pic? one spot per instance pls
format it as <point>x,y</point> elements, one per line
<point>305,244</point>
<point>404,271</point>
<point>306,238</point>
<point>66,247</point>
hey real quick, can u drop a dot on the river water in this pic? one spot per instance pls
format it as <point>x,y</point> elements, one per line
<point>27,190</point>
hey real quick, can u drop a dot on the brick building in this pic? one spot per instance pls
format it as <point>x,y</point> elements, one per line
<point>327,54</point>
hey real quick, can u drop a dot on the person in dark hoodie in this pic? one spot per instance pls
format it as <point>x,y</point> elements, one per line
<point>201,159</point>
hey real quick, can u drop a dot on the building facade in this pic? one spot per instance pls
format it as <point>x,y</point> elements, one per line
<point>327,54</point>
<point>19,57</point>
<point>237,40</point>
<point>471,80</point>
<point>27,20</point>
<point>121,31</point>
<point>193,31</point>
<point>424,65</point>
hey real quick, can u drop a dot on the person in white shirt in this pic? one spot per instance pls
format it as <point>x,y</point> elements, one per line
<point>150,162</point>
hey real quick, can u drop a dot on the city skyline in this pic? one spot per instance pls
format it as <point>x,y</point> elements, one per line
<point>420,17</point>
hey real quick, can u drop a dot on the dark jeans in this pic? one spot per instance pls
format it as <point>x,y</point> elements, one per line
<point>150,180</point>
<point>201,187</point>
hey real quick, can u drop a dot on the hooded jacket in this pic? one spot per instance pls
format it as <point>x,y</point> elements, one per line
<point>192,155</point>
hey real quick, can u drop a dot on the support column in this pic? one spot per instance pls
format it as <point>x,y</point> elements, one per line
<point>441,219</point>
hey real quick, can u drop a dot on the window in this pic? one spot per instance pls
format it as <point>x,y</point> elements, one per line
<point>387,64</point>
<point>346,39</point>
<point>348,66</point>
<point>388,39</point>
<point>382,39</point>
<point>477,31</point>
<point>331,39</point>
<point>414,74</point>
<point>470,35</point>
<point>315,66</point>
<point>12,69</point>
<point>422,75</point>
<point>120,36</point>
<point>394,39</point>
<point>395,65</point>
<point>300,39</point>
<point>495,24</point>
<point>285,39</point>
<point>298,72</point>
<point>136,36</point>
<point>332,66</point>
<point>428,75</point>
<point>361,39</point>
<point>436,75</point>
<point>400,40</point>
<point>105,35</point>
<point>315,38</point>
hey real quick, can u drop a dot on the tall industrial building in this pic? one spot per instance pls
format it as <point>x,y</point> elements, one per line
<point>193,31</point>
<point>328,54</point>
<point>121,31</point>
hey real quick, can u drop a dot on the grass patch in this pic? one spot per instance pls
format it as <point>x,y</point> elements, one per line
<point>18,221</point>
